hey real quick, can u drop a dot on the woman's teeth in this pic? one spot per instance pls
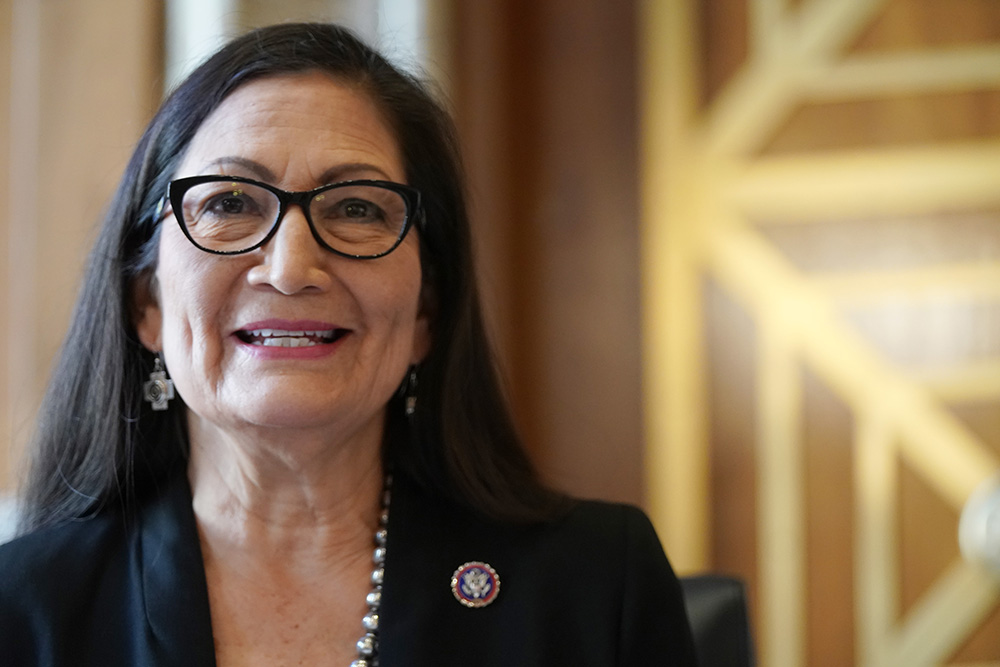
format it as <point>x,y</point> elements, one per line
<point>285,338</point>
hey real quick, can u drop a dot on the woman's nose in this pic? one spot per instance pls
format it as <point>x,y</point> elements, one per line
<point>293,261</point>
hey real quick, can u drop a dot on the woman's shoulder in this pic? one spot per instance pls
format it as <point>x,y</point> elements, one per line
<point>603,542</point>
<point>602,536</point>
<point>124,571</point>
<point>50,580</point>
<point>595,527</point>
<point>50,561</point>
<point>601,518</point>
<point>594,577</point>
<point>614,548</point>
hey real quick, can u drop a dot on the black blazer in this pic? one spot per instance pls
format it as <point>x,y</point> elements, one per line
<point>592,588</point>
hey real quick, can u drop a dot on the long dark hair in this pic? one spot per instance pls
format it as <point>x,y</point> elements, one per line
<point>98,443</point>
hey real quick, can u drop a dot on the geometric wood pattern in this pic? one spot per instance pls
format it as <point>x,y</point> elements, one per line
<point>719,200</point>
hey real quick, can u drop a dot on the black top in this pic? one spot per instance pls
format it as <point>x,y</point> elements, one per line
<point>592,588</point>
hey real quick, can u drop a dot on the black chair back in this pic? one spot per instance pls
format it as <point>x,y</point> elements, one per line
<point>717,610</point>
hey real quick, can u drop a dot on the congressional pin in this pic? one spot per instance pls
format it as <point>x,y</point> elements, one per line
<point>475,584</point>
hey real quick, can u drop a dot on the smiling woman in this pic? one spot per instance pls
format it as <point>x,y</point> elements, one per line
<point>338,480</point>
<point>199,314</point>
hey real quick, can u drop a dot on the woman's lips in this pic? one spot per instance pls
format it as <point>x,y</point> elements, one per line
<point>289,337</point>
<point>289,334</point>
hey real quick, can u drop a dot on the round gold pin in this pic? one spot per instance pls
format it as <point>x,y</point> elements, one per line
<point>475,584</point>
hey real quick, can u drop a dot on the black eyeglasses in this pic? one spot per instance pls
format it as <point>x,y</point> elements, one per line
<point>229,215</point>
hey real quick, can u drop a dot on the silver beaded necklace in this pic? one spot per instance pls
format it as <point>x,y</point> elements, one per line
<point>368,644</point>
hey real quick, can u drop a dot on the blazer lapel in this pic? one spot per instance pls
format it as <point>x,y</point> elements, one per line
<point>173,580</point>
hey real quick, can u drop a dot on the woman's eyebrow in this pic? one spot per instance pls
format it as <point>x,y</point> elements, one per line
<point>334,174</point>
<point>344,171</point>
<point>256,168</point>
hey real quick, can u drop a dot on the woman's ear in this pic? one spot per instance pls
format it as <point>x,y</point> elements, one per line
<point>146,314</point>
<point>422,332</point>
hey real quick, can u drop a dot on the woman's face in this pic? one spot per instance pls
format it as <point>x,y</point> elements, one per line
<point>296,132</point>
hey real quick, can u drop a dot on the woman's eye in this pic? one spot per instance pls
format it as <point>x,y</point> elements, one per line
<point>231,205</point>
<point>358,209</point>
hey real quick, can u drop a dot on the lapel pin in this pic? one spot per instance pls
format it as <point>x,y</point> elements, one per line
<point>475,584</point>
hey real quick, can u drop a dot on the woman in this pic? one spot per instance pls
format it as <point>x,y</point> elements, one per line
<point>278,347</point>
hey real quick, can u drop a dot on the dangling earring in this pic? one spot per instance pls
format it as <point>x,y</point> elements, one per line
<point>159,389</point>
<point>410,392</point>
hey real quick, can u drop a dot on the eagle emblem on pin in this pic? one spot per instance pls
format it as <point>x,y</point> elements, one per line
<point>475,584</point>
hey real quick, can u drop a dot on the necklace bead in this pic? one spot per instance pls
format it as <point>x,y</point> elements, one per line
<point>367,646</point>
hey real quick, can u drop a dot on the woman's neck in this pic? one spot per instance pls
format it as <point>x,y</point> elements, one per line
<point>287,530</point>
<point>285,498</point>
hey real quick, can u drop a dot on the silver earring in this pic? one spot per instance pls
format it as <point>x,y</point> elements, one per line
<point>410,392</point>
<point>159,389</point>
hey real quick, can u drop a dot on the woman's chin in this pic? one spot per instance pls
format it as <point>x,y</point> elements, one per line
<point>307,418</point>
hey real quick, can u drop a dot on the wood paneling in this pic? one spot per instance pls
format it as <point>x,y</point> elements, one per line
<point>84,79</point>
<point>827,190</point>
<point>545,96</point>
<point>7,453</point>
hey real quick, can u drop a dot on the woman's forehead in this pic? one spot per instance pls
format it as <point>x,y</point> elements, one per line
<point>300,126</point>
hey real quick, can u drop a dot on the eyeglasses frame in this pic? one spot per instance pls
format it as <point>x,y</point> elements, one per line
<point>179,187</point>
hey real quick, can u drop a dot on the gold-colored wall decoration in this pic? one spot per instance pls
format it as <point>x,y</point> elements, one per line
<point>826,174</point>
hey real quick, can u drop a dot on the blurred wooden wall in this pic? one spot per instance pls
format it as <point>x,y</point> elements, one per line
<point>823,179</point>
<point>78,81</point>
<point>545,96</point>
